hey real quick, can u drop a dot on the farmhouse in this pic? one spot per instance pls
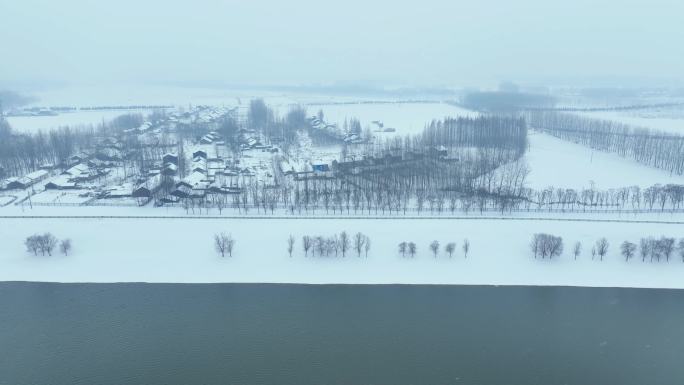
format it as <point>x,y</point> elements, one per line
<point>208,139</point>
<point>82,173</point>
<point>28,180</point>
<point>170,169</point>
<point>199,154</point>
<point>148,188</point>
<point>192,185</point>
<point>170,159</point>
<point>61,183</point>
<point>78,158</point>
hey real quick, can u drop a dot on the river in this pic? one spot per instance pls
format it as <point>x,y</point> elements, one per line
<point>336,334</point>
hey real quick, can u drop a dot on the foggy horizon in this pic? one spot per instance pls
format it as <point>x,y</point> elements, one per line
<point>302,43</point>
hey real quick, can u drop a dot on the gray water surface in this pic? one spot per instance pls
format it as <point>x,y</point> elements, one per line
<point>298,334</point>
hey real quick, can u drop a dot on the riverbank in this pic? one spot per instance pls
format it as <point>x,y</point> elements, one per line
<point>182,250</point>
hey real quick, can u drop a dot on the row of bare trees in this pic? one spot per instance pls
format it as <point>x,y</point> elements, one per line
<point>656,149</point>
<point>654,249</point>
<point>46,243</point>
<point>356,195</point>
<point>481,132</point>
<point>410,249</point>
<point>335,245</point>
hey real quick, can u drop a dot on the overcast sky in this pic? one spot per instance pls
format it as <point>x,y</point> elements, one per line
<point>427,42</point>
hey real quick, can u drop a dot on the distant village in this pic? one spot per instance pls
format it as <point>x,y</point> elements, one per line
<point>167,167</point>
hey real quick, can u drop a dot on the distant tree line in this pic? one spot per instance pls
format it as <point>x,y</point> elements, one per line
<point>506,101</point>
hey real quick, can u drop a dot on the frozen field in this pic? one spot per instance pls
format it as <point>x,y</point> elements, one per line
<point>406,118</point>
<point>33,124</point>
<point>558,163</point>
<point>181,250</point>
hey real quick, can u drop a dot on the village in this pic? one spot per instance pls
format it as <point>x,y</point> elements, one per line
<point>169,167</point>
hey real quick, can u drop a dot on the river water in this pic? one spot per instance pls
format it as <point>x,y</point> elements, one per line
<point>304,334</point>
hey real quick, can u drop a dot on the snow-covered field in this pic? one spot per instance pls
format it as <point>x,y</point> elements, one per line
<point>669,120</point>
<point>181,250</point>
<point>32,124</point>
<point>406,118</point>
<point>558,163</point>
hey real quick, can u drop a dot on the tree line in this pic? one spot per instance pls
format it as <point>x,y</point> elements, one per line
<point>656,149</point>
<point>655,249</point>
<point>332,246</point>
<point>410,249</point>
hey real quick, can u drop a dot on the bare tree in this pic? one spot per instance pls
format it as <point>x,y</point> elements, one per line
<point>359,240</point>
<point>344,243</point>
<point>335,244</point>
<point>450,248</point>
<point>466,247</point>
<point>602,247</point>
<point>65,246</point>
<point>306,244</point>
<point>47,242</point>
<point>230,245</point>
<point>434,246</point>
<point>555,247</point>
<point>412,249</point>
<point>577,249</point>
<point>320,246</point>
<point>32,244</point>
<point>546,245</point>
<point>290,244</point>
<point>644,248</point>
<point>593,252</point>
<point>221,243</point>
<point>403,248</point>
<point>536,245</point>
<point>366,245</point>
<point>628,249</point>
<point>680,248</point>
<point>667,247</point>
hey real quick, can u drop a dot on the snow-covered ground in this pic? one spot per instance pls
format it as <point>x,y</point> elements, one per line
<point>32,124</point>
<point>406,118</point>
<point>667,120</point>
<point>181,250</point>
<point>558,163</point>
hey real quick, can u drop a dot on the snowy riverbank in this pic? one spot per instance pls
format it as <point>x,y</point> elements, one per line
<point>181,250</point>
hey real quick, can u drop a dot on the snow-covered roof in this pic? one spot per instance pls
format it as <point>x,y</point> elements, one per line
<point>61,181</point>
<point>78,169</point>
<point>193,179</point>
<point>37,175</point>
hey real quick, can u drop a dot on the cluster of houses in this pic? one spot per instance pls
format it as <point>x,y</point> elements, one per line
<point>212,138</point>
<point>334,130</point>
<point>28,180</point>
<point>209,174</point>
<point>251,140</point>
<point>209,114</point>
